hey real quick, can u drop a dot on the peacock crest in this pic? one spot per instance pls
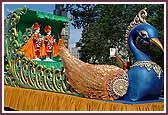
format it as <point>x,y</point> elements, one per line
<point>139,19</point>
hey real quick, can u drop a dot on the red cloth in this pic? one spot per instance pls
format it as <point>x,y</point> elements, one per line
<point>50,46</point>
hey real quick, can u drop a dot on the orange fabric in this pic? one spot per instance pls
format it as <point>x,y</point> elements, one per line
<point>29,49</point>
<point>61,42</point>
<point>43,51</point>
<point>55,50</point>
<point>36,100</point>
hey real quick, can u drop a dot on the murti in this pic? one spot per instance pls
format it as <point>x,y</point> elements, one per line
<point>32,49</point>
<point>49,44</point>
<point>38,47</point>
<point>37,40</point>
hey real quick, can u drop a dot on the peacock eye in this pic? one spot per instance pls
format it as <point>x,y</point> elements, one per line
<point>143,33</point>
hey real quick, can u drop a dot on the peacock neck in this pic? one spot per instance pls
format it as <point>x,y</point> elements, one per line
<point>138,54</point>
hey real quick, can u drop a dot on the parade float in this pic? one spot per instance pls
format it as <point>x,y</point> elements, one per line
<point>41,74</point>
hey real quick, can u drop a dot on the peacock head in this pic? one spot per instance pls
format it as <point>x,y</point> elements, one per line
<point>139,28</point>
<point>147,33</point>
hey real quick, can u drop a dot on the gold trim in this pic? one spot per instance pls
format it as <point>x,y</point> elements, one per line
<point>35,100</point>
<point>149,65</point>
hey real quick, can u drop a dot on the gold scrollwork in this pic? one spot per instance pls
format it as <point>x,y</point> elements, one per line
<point>23,72</point>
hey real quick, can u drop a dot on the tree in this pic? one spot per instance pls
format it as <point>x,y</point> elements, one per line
<point>104,27</point>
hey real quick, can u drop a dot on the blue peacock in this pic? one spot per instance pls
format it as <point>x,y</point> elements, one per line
<point>143,81</point>
<point>145,76</point>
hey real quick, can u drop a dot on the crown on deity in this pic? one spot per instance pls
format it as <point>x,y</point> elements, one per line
<point>36,26</point>
<point>47,29</point>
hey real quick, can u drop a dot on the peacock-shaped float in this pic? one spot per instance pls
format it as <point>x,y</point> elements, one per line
<point>142,81</point>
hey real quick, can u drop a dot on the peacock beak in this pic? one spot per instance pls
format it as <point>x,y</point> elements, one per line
<point>157,42</point>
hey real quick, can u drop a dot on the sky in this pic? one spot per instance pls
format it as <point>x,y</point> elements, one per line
<point>75,34</point>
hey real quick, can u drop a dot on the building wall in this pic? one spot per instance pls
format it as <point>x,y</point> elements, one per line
<point>65,34</point>
<point>75,52</point>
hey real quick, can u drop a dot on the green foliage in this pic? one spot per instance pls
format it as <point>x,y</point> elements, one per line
<point>104,27</point>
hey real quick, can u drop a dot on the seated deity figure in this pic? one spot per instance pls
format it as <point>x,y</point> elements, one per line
<point>51,47</point>
<point>33,47</point>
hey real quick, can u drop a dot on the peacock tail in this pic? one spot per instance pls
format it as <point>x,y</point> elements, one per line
<point>94,81</point>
